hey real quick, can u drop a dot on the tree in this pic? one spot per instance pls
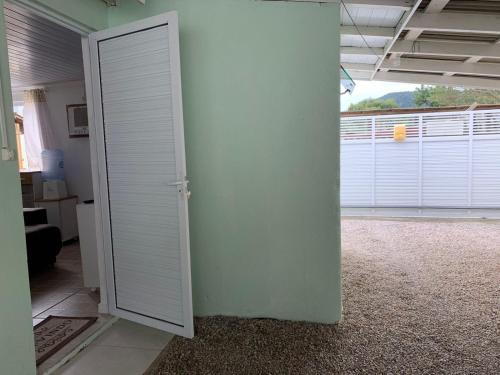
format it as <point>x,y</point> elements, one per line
<point>441,96</point>
<point>373,104</point>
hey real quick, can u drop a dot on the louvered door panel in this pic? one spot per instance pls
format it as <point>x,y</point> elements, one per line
<point>144,168</point>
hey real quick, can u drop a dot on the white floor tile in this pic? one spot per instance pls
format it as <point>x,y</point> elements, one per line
<point>132,335</point>
<point>110,360</point>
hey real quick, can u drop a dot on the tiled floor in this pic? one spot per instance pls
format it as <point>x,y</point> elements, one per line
<point>126,349</point>
<point>60,290</point>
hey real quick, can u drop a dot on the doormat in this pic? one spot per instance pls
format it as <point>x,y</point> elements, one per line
<point>56,331</point>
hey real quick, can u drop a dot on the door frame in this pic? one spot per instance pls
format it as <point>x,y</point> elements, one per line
<point>71,24</point>
<point>99,168</point>
<point>85,31</point>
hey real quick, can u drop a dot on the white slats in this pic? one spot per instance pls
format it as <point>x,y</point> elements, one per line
<point>486,172</point>
<point>449,159</point>
<point>384,127</point>
<point>141,162</point>
<point>396,182</point>
<point>356,128</point>
<point>356,187</point>
<point>445,125</point>
<point>445,174</point>
<point>487,123</point>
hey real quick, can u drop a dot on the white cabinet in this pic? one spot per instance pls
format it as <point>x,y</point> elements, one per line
<point>61,212</point>
<point>88,244</point>
<point>31,186</point>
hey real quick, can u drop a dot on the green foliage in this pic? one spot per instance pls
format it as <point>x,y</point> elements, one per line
<point>440,96</point>
<point>371,104</point>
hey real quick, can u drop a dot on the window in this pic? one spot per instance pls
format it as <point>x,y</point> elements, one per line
<point>20,141</point>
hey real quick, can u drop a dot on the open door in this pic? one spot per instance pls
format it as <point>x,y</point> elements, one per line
<point>142,202</point>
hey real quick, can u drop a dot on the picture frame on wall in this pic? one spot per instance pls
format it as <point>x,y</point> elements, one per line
<point>78,122</point>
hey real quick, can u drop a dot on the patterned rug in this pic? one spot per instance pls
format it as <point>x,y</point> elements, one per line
<point>55,332</point>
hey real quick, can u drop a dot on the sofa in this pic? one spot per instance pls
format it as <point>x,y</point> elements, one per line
<point>43,241</point>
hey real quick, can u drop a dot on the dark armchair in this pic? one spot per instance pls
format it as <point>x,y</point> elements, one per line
<point>43,241</point>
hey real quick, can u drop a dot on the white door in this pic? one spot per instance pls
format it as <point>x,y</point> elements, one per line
<point>139,138</point>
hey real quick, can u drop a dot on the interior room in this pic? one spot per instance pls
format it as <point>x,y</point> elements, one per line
<point>48,91</point>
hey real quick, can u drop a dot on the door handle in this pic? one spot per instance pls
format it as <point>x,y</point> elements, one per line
<point>179,183</point>
<point>184,188</point>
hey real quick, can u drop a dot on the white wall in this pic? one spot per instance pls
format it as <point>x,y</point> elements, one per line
<point>76,150</point>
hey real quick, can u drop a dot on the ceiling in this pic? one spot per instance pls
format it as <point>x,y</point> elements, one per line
<point>447,42</point>
<point>40,51</point>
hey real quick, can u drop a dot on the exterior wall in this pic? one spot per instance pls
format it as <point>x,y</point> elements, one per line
<point>261,109</point>
<point>17,354</point>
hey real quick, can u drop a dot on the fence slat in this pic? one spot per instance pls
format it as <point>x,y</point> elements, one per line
<point>449,159</point>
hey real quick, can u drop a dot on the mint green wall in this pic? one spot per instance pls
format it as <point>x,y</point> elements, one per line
<point>261,106</point>
<point>17,354</point>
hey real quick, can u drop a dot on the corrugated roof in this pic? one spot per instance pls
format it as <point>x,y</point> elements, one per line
<point>439,30</point>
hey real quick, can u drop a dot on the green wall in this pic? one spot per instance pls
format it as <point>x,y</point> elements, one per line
<point>17,355</point>
<point>261,108</point>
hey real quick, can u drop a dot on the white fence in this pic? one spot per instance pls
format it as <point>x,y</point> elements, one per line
<point>449,159</point>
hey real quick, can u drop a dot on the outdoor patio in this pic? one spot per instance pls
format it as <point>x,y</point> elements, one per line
<point>420,296</point>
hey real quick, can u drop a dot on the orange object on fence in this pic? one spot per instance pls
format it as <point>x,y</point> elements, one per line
<point>399,132</point>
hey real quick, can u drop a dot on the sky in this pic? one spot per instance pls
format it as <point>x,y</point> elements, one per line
<point>373,89</point>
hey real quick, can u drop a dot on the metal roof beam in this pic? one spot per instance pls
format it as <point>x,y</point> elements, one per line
<point>357,67</point>
<point>381,32</point>
<point>397,4</point>
<point>479,23</point>
<point>361,51</point>
<point>399,29</point>
<point>443,66</point>
<point>360,75</point>
<point>430,79</point>
<point>447,49</point>
<point>394,4</point>
<point>435,6</point>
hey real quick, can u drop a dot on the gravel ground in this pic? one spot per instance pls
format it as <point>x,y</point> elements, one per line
<point>420,297</point>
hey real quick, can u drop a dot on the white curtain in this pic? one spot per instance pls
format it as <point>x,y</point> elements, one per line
<point>38,134</point>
